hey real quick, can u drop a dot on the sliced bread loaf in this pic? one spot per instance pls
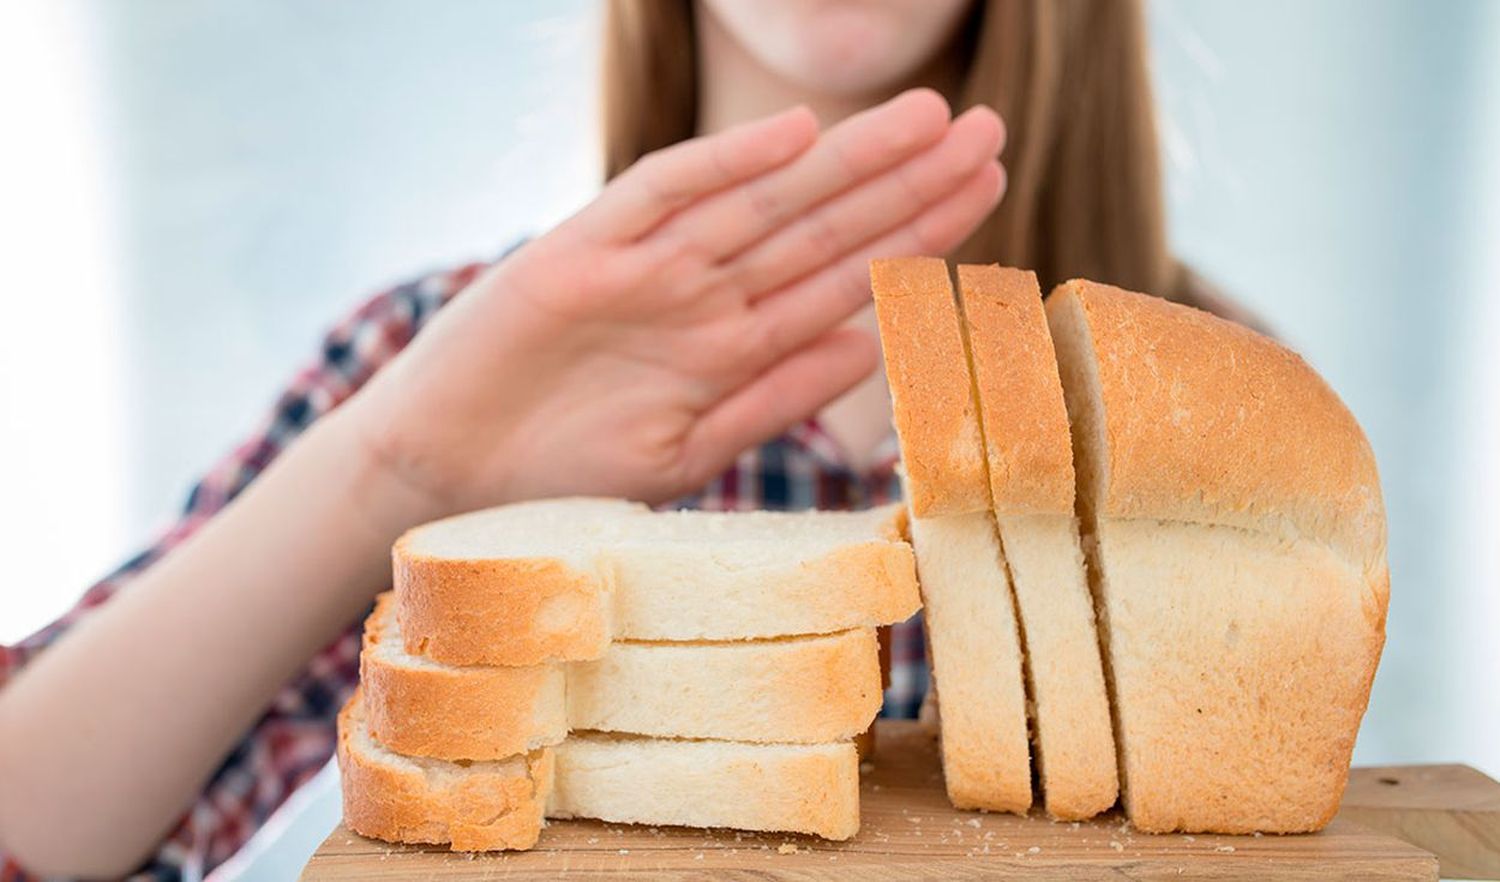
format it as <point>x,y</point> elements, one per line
<point>1024,424</point>
<point>1239,561</point>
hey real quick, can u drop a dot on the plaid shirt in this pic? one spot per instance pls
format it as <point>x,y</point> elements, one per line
<point>295,735</point>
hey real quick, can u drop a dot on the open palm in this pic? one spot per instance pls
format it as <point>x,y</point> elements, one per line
<point>691,311</point>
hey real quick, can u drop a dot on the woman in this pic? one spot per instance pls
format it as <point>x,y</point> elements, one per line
<point>697,333</point>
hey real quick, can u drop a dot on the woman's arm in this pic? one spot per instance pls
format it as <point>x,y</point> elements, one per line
<point>689,312</point>
<point>105,738</point>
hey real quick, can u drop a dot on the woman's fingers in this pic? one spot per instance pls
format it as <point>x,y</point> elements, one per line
<point>661,183</point>
<point>843,223</point>
<point>793,389</point>
<point>848,155</point>
<point>806,310</point>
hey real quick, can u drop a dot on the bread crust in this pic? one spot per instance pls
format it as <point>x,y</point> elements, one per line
<point>477,808</point>
<point>457,713</point>
<point>1025,423</point>
<point>1212,423</point>
<point>502,611</point>
<point>931,395</point>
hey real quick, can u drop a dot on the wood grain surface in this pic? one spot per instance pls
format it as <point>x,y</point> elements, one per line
<point>908,831</point>
<point>1452,811</point>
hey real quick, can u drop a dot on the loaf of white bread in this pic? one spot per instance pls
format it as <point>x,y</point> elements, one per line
<point>592,658</point>
<point>1211,657</point>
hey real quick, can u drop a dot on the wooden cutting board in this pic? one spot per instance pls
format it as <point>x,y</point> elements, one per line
<point>908,831</point>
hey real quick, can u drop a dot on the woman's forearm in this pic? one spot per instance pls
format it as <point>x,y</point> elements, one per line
<point>105,738</point>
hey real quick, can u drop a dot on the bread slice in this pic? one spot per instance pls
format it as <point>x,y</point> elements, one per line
<point>1239,561</point>
<point>801,690</point>
<point>1024,425</point>
<point>418,707</point>
<point>934,410</point>
<point>483,806</point>
<point>693,575</point>
<point>795,689</point>
<point>558,580</point>
<point>969,609</point>
<point>515,585</point>
<point>976,662</point>
<point>790,788</point>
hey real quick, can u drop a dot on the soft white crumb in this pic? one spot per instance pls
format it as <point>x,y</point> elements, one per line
<point>1035,849</point>
<point>786,848</point>
<point>973,822</point>
<point>1226,849</point>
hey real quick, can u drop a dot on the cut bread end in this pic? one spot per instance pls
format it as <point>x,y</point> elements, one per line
<point>1239,655</point>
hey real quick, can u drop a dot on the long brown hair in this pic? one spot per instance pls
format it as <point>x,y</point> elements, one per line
<point>1070,79</point>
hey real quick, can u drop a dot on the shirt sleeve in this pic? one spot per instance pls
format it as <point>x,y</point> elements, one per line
<point>295,735</point>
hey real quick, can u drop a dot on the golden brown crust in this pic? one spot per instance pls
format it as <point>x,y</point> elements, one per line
<point>931,395</point>
<point>477,808</point>
<point>1025,424</point>
<point>1209,422</point>
<point>506,611</point>
<point>457,713</point>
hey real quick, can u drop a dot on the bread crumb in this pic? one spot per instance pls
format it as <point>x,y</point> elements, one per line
<point>1225,849</point>
<point>698,856</point>
<point>624,851</point>
<point>1076,825</point>
<point>866,768</point>
<point>972,822</point>
<point>786,848</point>
<point>1257,834</point>
<point>1116,845</point>
<point>1189,839</point>
<point>1035,849</point>
<point>593,840</point>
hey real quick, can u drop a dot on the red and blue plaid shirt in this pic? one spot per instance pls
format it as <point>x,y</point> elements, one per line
<point>295,735</point>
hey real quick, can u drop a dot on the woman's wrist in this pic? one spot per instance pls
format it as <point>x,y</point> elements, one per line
<point>378,492</point>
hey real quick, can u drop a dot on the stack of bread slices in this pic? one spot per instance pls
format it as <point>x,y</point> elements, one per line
<point>1151,547</point>
<point>592,658</point>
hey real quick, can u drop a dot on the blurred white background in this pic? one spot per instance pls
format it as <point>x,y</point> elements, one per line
<point>190,192</point>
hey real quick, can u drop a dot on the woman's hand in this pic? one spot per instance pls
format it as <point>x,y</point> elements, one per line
<point>691,311</point>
